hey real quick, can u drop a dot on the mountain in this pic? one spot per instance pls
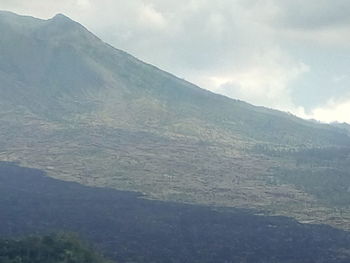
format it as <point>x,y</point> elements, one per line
<point>60,71</point>
<point>344,126</point>
<point>84,111</point>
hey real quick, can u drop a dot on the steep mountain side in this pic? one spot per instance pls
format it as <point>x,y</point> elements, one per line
<point>82,110</point>
<point>60,71</point>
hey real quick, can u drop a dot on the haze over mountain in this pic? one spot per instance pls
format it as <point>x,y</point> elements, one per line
<point>82,110</point>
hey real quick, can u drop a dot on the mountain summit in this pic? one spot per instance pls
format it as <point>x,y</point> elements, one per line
<point>59,70</point>
<point>82,110</point>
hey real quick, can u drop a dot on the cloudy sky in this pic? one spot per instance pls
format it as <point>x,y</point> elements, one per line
<point>292,55</point>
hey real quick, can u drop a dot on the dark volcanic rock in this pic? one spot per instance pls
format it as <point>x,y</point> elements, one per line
<point>128,227</point>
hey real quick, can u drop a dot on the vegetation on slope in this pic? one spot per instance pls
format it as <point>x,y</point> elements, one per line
<point>58,248</point>
<point>81,110</point>
<point>322,172</point>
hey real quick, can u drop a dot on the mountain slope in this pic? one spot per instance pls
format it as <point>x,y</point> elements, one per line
<point>67,71</point>
<point>85,111</point>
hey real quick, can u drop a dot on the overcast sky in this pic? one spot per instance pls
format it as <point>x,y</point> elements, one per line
<point>292,55</point>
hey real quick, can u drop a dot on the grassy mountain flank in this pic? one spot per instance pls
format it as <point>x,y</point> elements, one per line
<point>82,110</point>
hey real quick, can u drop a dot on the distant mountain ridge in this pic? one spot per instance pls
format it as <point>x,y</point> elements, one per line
<point>344,126</point>
<point>82,110</point>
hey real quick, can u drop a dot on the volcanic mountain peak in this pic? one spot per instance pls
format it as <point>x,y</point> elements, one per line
<point>95,113</point>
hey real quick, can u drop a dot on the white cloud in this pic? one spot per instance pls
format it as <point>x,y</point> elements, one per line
<point>150,17</point>
<point>265,80</point>
<point>332,111</point>
<point>84,4</point>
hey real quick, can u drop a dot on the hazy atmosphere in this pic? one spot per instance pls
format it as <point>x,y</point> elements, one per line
<point>290,55</point>
<point>106,157</point>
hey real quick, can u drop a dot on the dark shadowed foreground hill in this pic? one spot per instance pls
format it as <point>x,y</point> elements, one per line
<point>131,229</point>
<point>82,110</point>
